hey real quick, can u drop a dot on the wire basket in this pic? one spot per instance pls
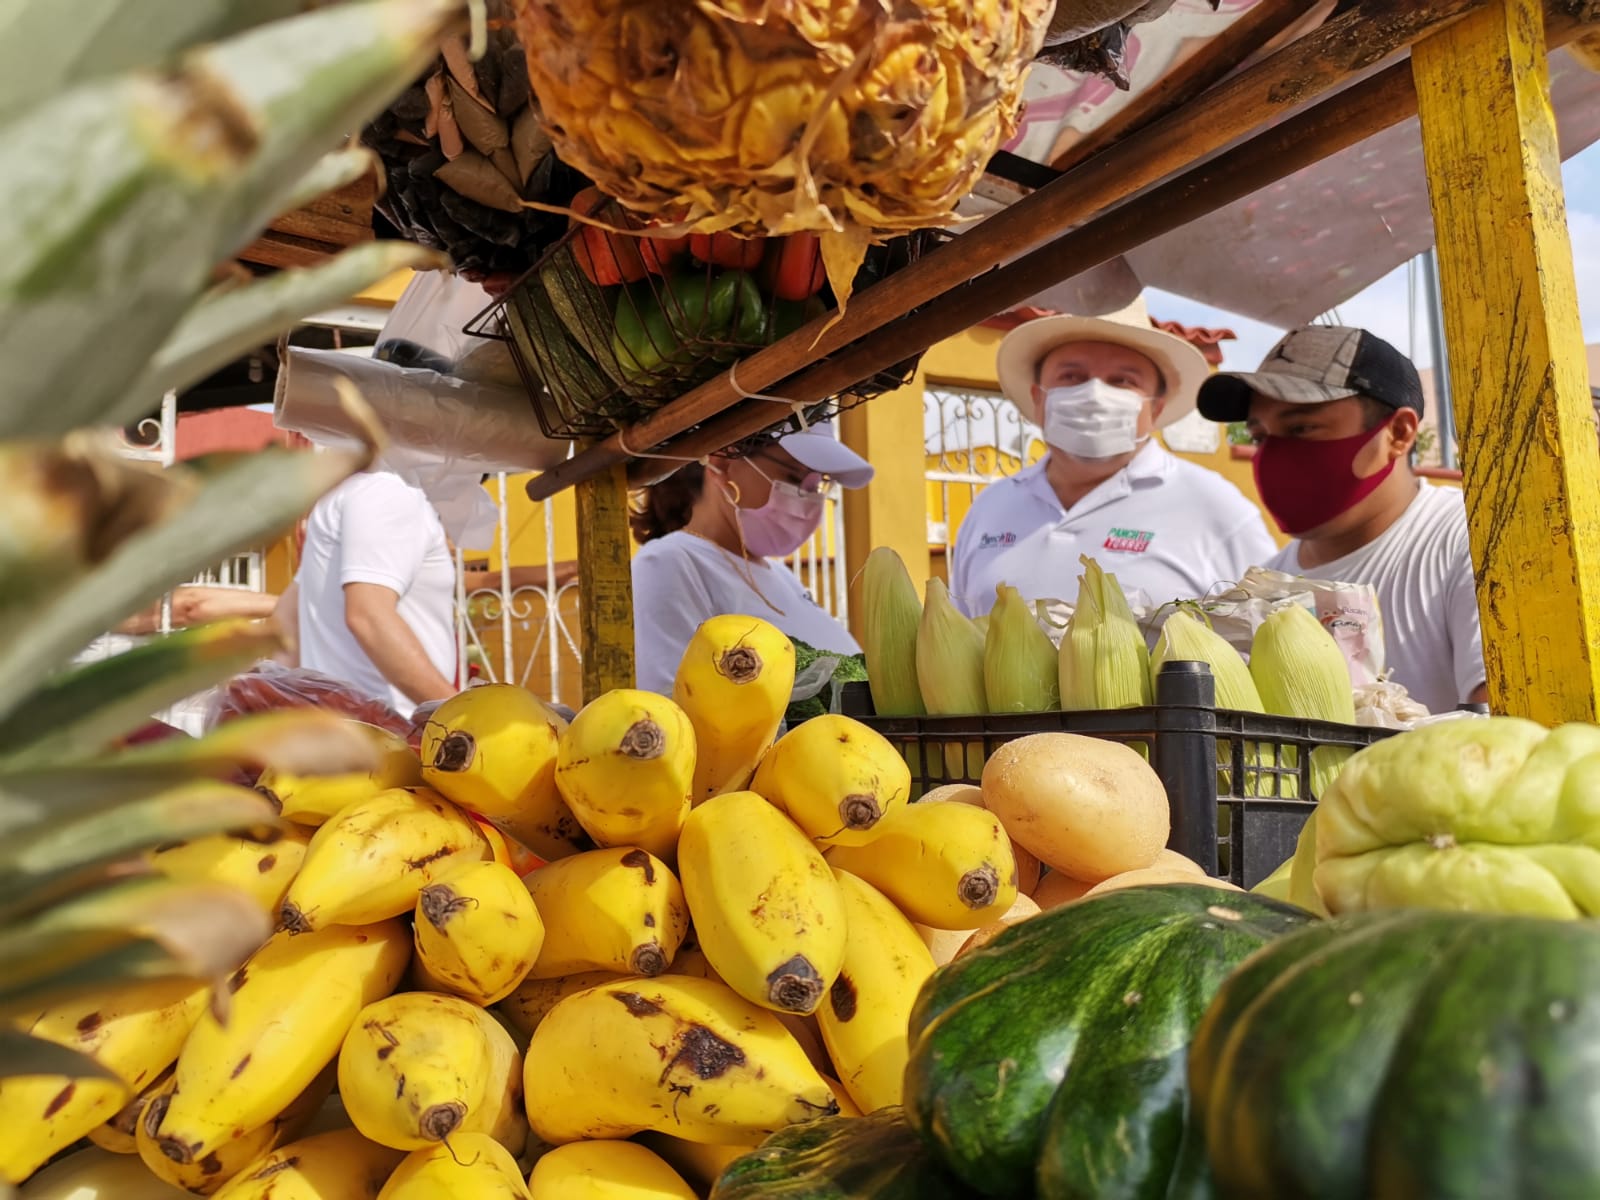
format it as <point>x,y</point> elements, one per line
<point>607,327</point>
<point>1239,783</point>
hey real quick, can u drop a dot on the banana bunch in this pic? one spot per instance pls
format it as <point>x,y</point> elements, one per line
<point>312,799</point>
<point>477,932</point>
<point>608,910</point>
<point>473,1166</point>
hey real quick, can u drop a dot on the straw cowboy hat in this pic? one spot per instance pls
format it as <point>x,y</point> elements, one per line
<point>1182,366</point>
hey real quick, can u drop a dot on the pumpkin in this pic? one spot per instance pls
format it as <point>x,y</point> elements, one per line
<point>1406,1055</point>
<point>1055,1055</point>
<point>1491,815</point>
<point>876,1157</point>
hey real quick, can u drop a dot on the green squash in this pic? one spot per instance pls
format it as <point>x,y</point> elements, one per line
<point>1408,1055</point>
<point>1054,1057</point>
<point>876,1157</point>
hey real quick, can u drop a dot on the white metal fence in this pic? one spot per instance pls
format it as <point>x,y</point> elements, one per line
<point>972,438</point>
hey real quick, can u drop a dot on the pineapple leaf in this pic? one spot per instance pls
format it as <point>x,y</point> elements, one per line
<point>25,1055</point>
<point>235,321</point>
<point>82,711</point>
<point>46,45</point>
<point>148,929</point>
<point>39,798</point>
<point>304,741</point>
<point>248,502</point>
<point>53,858</point>
<point>332,171</point>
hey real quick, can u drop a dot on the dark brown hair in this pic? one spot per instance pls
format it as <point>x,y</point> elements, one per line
<point>665,507</point>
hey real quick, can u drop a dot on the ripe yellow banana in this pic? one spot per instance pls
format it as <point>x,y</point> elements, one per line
<point>605,1170</point>
<point>208,1173</point>
<point>472,1167</point>
<point>262,870</point>
<point>700,1163</point>
<point>478,932</point>
<point>95,1174</point>
<point>683,1056</point>
<point>608,910</point>
<point>767,910</point>
<point>847,1106</point>
<point>371,861</point>
<point>290,1007</point>
<point>341,1165</point>
<point>419,1067</point>
<point>134,1032</point>
<point>865,1017</point>
<point>312,799</point>
<point>942,863</point>
<point>533,999</point>
<point>119,1133</point>
<point>835,778</point>
<point>734,681</point>
<point>492,749</point>
<point>625,766</point>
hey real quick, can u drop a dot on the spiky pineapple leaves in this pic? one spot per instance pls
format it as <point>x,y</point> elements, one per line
<point>120,195</point>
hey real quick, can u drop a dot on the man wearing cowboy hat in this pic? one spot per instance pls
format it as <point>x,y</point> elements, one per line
<point>1098,387</point>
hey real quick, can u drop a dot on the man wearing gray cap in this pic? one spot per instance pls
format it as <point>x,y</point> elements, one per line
<point>1334,413</point>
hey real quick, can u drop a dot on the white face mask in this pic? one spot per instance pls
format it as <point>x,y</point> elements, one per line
<point>1093,420</point>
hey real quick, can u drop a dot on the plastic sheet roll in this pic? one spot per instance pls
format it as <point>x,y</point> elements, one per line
<point>493,427</point>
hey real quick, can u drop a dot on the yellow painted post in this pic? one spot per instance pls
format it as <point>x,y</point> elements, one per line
<point>1529,462</point>
<point>893,509</point>
<point>605,583</point>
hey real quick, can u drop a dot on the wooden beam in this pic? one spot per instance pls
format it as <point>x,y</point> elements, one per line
<point>1206,66</point>
<point>1526,427</point>
<point>605,584</point>
<point>1344,48</point>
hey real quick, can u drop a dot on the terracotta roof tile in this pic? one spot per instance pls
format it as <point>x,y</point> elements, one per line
<point>1207,341</point>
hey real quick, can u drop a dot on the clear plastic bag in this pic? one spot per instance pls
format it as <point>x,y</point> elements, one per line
<point>270,686</point>
<point>427,329</point>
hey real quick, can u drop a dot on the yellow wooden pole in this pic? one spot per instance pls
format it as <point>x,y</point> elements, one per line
<point>1530,467</point>
<point>893,509</point>
<point>605,583</point>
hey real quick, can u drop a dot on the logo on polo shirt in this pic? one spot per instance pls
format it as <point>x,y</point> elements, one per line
<point>1129,541</point>
<point>990,540</point>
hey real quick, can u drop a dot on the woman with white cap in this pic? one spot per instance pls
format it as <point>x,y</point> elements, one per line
<point>1167,528</point>
<point>707,534</point>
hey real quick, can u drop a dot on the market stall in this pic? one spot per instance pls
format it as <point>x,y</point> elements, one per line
<point>975,925</point>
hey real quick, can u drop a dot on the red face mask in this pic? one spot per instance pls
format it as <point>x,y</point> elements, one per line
<point>1305,484</point>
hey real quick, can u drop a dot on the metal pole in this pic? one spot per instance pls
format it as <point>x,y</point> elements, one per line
<point>1441,360</point>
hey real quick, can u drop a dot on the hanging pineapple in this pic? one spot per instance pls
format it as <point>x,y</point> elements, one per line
<point>854,119</point>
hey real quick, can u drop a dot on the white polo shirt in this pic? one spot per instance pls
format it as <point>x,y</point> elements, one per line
<point>1162,525</point>
<point>1421,569</point>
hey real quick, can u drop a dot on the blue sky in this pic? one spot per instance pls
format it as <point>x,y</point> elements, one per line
<point>1383,308</point>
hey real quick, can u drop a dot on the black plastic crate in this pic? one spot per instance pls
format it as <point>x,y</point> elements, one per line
<point>1239,783</point>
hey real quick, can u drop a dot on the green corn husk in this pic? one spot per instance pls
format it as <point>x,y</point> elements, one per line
<point>1186,639</point>
<point>950,674</point>
<point>889,641</point>
<point>1300,672</point>
<point>1020,671</point>
<point>1104,662</point>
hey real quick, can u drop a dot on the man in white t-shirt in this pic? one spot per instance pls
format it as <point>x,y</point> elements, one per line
<point>1334,412</point>
<point>1167,528</point>
<point>374,597</point>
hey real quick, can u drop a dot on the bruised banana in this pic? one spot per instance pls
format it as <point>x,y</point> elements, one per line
<point>835,778</point>
<point>477,931</point>
<point>206,1174</point>
<point>135,1032</point>
<point>734,682</point>
<point>312,799</point>
<point>119,1134</point>
<point>606,1170</point>
<point>868,1009</point>
<point>492,749</point>
<point>419,1067</point>
<point>608,910</point>
<point>96,1174</point>
<point>942,863</point>
<point>472,1167</point>
<point>262,870</point>
<point>289,1009</point>
<point>766,908</point>
<point>338,1165</point>
<point>372,861</point>
<point>625,766</point>
<point>532,999</point>
<point>686,1057</point>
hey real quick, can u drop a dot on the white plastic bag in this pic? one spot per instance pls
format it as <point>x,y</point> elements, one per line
<point>1387,705</point>
<point>427,329</point>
